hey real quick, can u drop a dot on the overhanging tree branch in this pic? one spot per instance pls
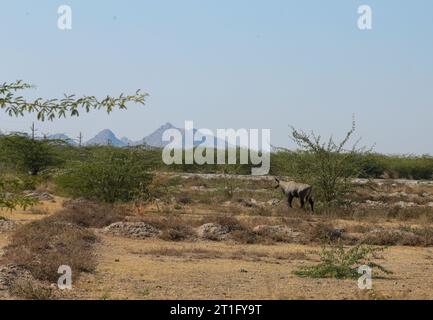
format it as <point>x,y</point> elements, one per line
<point>70,105</point>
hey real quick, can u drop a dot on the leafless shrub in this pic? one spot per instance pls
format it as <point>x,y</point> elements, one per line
<point>90,214</point>
<point>403,236</point>
<point>232,223</point>
<point>245,236</point>
<point>324,233</point>
<point>173,228</point>
<point>31,290</point>
<point>42,246</point>
<point>185,199</point>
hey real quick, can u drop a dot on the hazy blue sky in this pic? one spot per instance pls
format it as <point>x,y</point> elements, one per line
<point>232,63</point>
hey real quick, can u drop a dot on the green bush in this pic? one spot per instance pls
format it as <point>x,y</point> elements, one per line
<point>21,152</point>
<point>109,175</point>
<point>336,262</point>
<point>372,165</point>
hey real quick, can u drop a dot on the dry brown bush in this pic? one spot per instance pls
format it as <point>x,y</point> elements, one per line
<point>323,233</point>
<point>177,233</point>
<point>246,237</point>
<point>89,214</point>
<point>232,223</point>
<point>425,235</point>
<point>173,228</point>
<point>185,199</point>
<point>31,290</point>
<point>42,246</point>
<point>262,211</point>
<point>403,236</point>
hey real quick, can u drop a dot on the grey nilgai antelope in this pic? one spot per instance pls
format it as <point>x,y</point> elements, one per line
<point>292,189</point>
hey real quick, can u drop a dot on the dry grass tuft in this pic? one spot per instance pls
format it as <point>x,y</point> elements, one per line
<point>230,222</point>
<point>42,246</point>
<point>89,214</point>
<point>31,290</point>
<point>403,236</point>
<point>173,228</point>
<point>324,233</point>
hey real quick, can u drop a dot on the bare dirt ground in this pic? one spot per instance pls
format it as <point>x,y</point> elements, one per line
<point>220,271</point>
<point>153,268</point>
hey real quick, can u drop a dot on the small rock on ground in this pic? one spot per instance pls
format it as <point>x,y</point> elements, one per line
<point>7,226</point>
<point>139,230</point>
<point>41,196</point>
<point>213,231</point>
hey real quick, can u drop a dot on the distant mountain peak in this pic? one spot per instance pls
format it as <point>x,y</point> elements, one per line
<point>106,133</point>
<point>107,137</point>
<point>166,126</point>
<point>61,136</point>
<point>104,138</point>
<point>155,138</point>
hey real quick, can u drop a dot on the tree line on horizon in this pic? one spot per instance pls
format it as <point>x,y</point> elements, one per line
<point>111,174</point>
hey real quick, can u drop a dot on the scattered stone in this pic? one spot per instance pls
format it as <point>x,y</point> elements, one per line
<point>203,188</point>
<point>273,202</point>
<point>213,231</point>
<point>250,203</point>
<point>7,226</point>
<point>10,273</point>
<point>197,188</point>
<point>41,196</point>
<point>404,204</point>
<point>371,203</point>
<point>138,230</point>
<point>14,278</point>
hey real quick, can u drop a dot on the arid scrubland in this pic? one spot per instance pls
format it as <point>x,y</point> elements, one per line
<point>193,239</point>
<point>127,226</point>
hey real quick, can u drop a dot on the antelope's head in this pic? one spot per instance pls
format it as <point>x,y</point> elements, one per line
<point>278,183</point>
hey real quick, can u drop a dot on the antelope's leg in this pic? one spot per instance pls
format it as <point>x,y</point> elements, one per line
<point>302,202</point>
<point>311,201</point>
<point>290,199</point>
